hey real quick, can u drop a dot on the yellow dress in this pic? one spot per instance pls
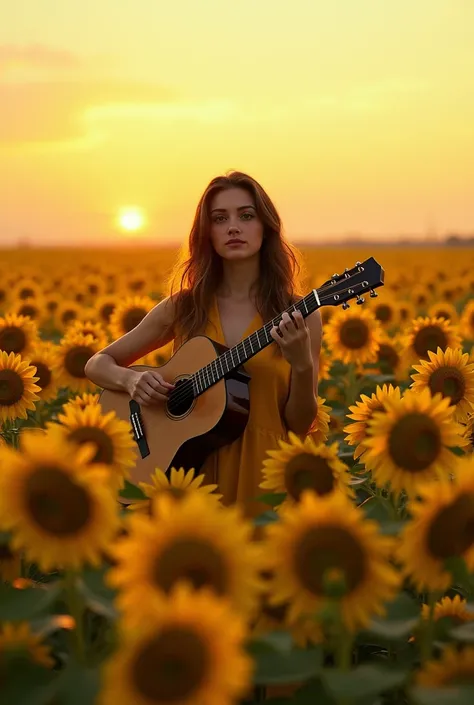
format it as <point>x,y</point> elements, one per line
<point>237,467</point>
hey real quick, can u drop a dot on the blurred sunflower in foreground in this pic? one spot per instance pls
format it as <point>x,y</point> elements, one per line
<point>410,442</point>
<point>304,465</point>
<point>110,436</point>
<point>353,336</point>
<point>82,400</point>
<point>181,653</point>
<point>18,391</point>
<point>323,542</point>
<point>451,374</point>
<point>192,539</point>
<point>442,517</point>
<point>467,321</point>
<point>455,667</point>
<point>60,512</point>
<point>179,484</point>
<point>319,431</point>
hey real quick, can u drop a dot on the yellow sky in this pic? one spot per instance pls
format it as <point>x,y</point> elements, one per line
<point>357,116</point>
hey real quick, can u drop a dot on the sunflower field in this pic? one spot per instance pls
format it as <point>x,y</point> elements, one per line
<point>354,587</point>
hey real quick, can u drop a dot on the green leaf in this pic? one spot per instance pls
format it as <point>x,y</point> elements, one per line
<point>26,683</point>
<point>273,499</point>
<point>131,491</point>
<point>462,695</point>
<point>272,667</point>
<point>266,518</point>
<point>379,379</point>
<point>363,681</point>
<point>278,640</point>
<point>456,565</point>
<point>97,595</point>
<point>464,632</point>
<point>77,685</point>
<point>17,605</point>
<point>312,693</point>
<point>403,614</point>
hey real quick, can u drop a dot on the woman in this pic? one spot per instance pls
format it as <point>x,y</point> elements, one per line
<point>240,274</point>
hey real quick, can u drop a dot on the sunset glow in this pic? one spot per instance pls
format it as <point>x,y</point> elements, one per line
<point>131,219</point>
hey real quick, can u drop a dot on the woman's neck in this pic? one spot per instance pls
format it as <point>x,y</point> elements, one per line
<point>238,277</point>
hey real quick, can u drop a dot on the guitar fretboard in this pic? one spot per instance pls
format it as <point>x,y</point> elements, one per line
<point>248,347</point>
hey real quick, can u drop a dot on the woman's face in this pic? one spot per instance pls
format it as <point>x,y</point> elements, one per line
<point>236,229</point>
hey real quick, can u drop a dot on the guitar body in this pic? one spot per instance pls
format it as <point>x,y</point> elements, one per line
<point>213,419</point>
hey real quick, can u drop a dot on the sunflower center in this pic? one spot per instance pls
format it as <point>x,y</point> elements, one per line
<point>51,305</point>
<point>5,552</point>
<point>56,503</point>
<point>354,333</point>
<point>306,471</point>
<point>132,318</point>
<point>452,531</point>
<point>387,355</point>
<point>28,310</point>
<point>384,313</point>
<point>92,434</point>
<point>443,314</point>
<point>450,382</point>
<point>44,374</point>
<point>68,315</point>
<point>76,359</point>
<point>325,548</point>
<point>276,612</point>
<point>106,311</point>
<point>471,320</point>
<point>11,387</point>
<point>414,442</point>
<point>429,338</point>
<point>25,293</point>
<point>12,339</point>
<point>171,667</point>
<point>193,560</point>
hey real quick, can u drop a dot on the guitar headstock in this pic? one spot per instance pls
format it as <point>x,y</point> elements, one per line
<point>351,284</point>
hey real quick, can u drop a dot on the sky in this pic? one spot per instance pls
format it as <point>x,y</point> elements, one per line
<point>356,116</point>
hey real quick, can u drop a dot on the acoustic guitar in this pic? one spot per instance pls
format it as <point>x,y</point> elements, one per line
<point>210,404</point>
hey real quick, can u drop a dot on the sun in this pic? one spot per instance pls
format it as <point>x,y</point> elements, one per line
<point>131,219</point>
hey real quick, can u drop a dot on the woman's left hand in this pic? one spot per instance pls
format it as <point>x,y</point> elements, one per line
<point>294,340</point>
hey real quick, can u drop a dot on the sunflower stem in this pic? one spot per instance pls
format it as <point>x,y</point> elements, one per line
<point>427,635</point>
<point>76,609</point>
<point>352,385</point>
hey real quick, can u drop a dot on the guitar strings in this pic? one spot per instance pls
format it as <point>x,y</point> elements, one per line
<point>185,389</point>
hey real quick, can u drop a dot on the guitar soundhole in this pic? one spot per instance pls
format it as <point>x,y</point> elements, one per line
<point>181,398</point>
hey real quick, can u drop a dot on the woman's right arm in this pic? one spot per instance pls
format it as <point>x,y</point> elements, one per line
<point>108,368</point>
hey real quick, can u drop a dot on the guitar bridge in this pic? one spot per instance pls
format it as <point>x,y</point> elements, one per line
<point>139,435</point>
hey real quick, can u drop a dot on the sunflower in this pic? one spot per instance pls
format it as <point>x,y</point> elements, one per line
<point>451,374</point>
<point>386,312</point>
<point>455,608</point>
<point>82,400</point>
<point>179,485</point>
<point>468,433</point>
<point>390,358</point>
<point>193,539</point>
<point>406,312</point>
<point>181,654</point>
<point>362,413</point>
<point>323,538</point>
<point>59,511</point>
<point>440,528</point>
<point>33,309</point>
<point>18,639</point>
<point>304,631</point>
<point>18,334</point>
<point>66,312</point>
<point>51,302</point>
<point>111,437</point>
<point>467,321</point>
<point>353,336</point>
<point>94,285</point>
<point>87,328</point>
<point>128,314</point>
<point>302,465</point>
<point>427,334</point>
<point>26,289</point>
<point>72,355</point>
<point>325,363</point>
<point>10,563</point>
<point>454,667</point>
<point>18,391</point>
<point>44,359</point>
<point>105,306</point>
<point>410,442</point>
<point>319,431</point>
<point>443,309</point>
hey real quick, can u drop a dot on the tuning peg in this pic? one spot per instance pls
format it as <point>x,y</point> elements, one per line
<point>373,294</point>
<point>335,275</point>
<point>357,264</point>
<point>360,300</point>
<point>345,306</point>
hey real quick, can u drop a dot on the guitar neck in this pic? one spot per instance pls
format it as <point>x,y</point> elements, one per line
<point>248,347</point>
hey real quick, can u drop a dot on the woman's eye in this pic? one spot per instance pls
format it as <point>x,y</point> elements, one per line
<point>249,214</point>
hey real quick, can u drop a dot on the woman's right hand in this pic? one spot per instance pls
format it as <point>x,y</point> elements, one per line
<point>148,387</point>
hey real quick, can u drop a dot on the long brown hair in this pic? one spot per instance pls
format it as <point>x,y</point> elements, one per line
<point>199,272</point>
